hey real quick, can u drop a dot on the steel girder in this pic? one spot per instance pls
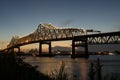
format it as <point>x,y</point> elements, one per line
<point>113,39</point>
<point>103,38</point>
<point>47,32</point>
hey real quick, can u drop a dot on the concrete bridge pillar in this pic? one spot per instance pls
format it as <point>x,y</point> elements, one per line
<point>73,48</point>
<point>85,45</point>
<point>11,50</point>
<point>18,49</point>
<point>49,48</point>
<point>40,47</point>
<point>15,51</point>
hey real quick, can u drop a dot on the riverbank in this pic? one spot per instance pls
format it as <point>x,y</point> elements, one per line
<point>78,68</point>
<point>13,68</point>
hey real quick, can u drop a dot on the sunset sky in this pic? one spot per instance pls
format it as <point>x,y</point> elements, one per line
<point>21,17</point>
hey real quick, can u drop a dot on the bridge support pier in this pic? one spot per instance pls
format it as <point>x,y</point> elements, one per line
<point>49,48</point>
<point>18,49</point>
<point>73,48</point>
<point>12,50</point>
<point>40,47</point>
<point>86,48</point>
<point>84,43</point>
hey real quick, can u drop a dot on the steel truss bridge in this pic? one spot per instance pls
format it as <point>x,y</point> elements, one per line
<point>102,38</point>
<point>92,39</point>
<point>45,33</point>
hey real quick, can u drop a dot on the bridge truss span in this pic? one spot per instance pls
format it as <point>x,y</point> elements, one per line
<point>46,32</point>
<point>102,38</point>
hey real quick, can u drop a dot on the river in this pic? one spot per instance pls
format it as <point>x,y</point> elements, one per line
<point>78,68</point>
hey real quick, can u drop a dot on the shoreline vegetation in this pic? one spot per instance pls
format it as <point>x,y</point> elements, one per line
<point>95,72</point>
<point>13,68</point>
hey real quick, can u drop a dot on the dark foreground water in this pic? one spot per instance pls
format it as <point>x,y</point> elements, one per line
<point>77,68</point>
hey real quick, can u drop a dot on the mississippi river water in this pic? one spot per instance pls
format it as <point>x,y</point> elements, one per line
<point>78,68</point>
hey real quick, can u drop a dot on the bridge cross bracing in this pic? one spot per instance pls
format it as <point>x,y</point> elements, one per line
<point>102,38</point>
<point>45,32</point>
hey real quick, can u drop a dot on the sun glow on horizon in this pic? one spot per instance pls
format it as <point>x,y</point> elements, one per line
<point>45,47</point>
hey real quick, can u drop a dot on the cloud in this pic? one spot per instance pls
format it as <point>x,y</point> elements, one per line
<point>67,22</point>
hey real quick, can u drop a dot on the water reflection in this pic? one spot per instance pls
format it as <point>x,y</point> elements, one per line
<point>84,69</point>
<point>77,69</point>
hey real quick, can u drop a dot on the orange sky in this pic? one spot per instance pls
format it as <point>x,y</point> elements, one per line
<point>45,47</point>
